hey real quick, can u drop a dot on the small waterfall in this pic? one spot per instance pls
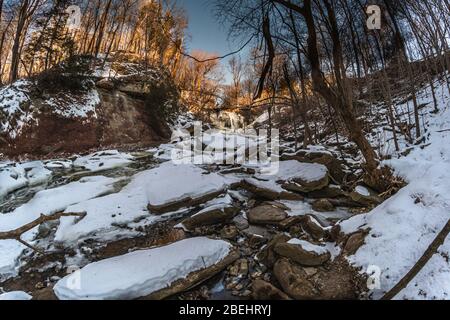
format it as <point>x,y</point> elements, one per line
<point>228,120</point>
<point>236,121</point>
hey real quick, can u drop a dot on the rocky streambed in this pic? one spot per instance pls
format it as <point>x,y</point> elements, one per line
<point>192,231</point>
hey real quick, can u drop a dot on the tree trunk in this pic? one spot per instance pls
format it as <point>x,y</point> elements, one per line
<point>342,100</point>
<point>15,57</point>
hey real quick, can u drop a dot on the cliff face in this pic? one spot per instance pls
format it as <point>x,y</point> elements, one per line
<point>115,105</point>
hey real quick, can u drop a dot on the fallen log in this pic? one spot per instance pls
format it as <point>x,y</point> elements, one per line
<point>17,233</point>
<point>429,253</point>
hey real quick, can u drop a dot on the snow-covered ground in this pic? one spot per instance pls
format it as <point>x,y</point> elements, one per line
<point>400,229</point>
<point>404,226</point>
<point>45,202</point>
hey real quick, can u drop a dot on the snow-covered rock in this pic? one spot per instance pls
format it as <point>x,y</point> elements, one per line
<point>11,179</point>
<point>171,187</point>
<point>104,214</point>
<point>36,173</point>
<point>15,295</point>
<point>289,176</point>
<point>145,273</point>
<point>299,176</point>
<point>16,110</point>
<point>216,214</point>
<point>104,160</point>
<point>303,252</point>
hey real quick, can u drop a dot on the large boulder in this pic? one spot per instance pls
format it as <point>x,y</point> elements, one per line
<point>66,110</point>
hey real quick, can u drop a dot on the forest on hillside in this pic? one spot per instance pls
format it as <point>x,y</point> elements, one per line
<point>121,147</point>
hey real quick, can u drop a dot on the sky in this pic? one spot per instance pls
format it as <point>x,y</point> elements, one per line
<point>206,32</point>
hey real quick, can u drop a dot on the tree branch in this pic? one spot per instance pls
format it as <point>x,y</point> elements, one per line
<point>17,233</point>
<point>429,253</point>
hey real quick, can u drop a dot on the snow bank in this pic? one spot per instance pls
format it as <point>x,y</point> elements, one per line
<point>404,226</point>
<point>142,273</point>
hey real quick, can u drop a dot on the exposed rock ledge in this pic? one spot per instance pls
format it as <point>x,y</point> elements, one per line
<point>42,119</point>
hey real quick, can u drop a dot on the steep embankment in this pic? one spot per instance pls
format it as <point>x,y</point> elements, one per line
<point>401,229</point>
<point>62,111</point>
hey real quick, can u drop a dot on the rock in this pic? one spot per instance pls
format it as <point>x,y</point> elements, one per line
<point>85,119</point>
<point>323,205</point>
<point>296,231</point>
<point>40,286</point>
<point>239,269</point>
<point>334,166</point>
<point>211,216</point>
<point>268,256</point>
<point>365,197</point>
<point>257,236</point>
<point>293,280</point>
<point>328,192</point>
<point>277,204</point>
<point>311,226</point>
<point>229,232</point>
<point>194,278</point>
<point>303,186</point>
<point>187,202</point>
<point>339,282</point>
<point>354,242</point>
<point>303,253</point>
<point>310,271</point>
<point>46,294</point>
<point>265,291</point>
<point>261,191</point>
<point>241,222</point>
<point>336,234</point>
<point>266,214</point>
<point>289,222</point>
